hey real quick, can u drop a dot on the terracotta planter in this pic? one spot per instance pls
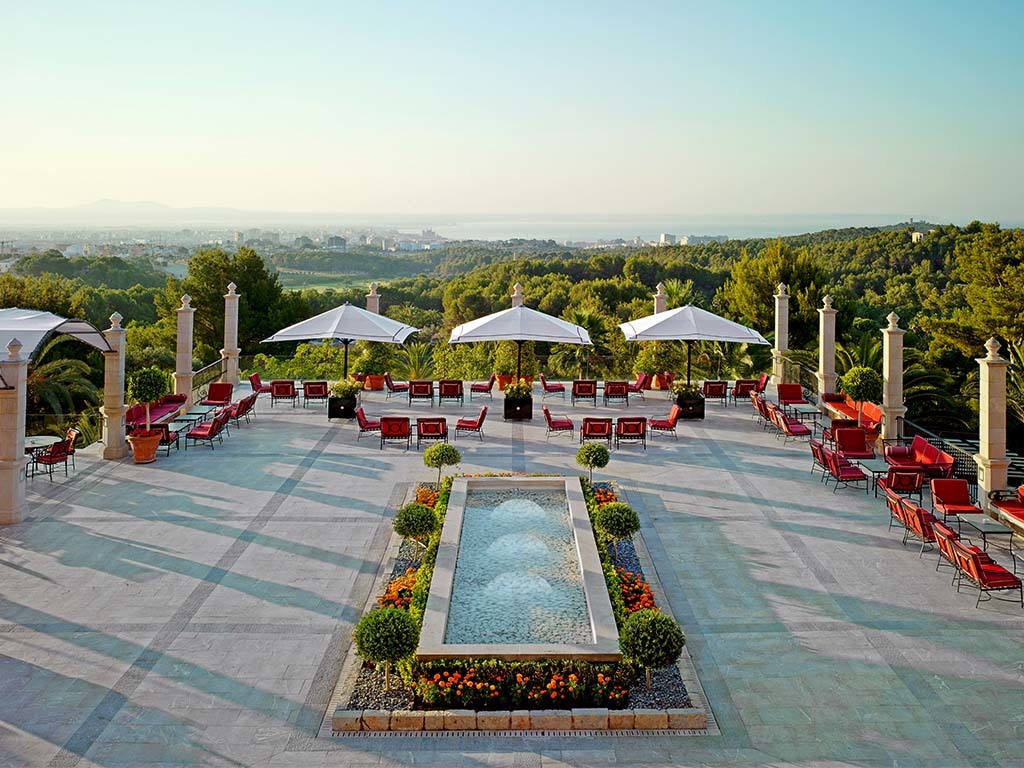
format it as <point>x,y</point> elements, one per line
<point>144,445</point>
<point>504,381</point>
<point>663,380</point>
<point>374,382</point>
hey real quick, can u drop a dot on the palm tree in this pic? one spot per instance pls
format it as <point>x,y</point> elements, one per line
<point>680,293</point>
<point>58,387</point>
<point>414,361</point>
<point>579,358</point>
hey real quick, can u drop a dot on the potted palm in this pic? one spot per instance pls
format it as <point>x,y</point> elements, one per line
<point>344,397</point>
<point>519,401</point>
<point>144,387</point>
<point>689,399</point>
<point>373,364</point>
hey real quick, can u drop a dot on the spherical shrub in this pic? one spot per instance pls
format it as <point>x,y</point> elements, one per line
<point>415,521</point>
<point>651,639</point>
<point>617,521</point>
<point>591,456</point>
<point>441,455</point>
<point>862,384</point>
<point>385,636</point>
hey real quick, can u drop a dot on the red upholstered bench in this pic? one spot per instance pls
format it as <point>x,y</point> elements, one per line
<point>842,407</point>
<point>920,454</point>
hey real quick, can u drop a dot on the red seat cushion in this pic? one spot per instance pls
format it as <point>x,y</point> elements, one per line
<point>958,509</point>
<point>995,575</point>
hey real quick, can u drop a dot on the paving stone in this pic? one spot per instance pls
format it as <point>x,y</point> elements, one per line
<point>588,718</point>
<point>460,720</point>
<point>493,721</point>
<point>650,719</point>
<point>687,719</point>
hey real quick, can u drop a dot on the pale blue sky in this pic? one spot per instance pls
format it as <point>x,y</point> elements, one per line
<point>646,108</point>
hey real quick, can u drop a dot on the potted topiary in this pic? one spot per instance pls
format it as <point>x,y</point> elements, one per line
<point>863,385</point>
<point>144,387</point>
<point>519,400</point>
<point>343,399</point>
<point>617,521</point>
<point>507,362</point>
<point>689,399</point>
<point>651,639</point>
<point>592,456</point>
<point>440,456</point>
<point>385,636</point>
<point>373,364</point>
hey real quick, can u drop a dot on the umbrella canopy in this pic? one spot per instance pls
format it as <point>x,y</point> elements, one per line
<point>689,324</point>
<point>347,324</point>
<point>520,324</point>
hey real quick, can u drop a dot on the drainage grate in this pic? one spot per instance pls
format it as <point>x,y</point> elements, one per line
<point>511,734</point>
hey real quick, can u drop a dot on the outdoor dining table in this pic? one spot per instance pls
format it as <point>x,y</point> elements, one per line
<point>197,413</point>
<point>874,467</point>
<point>38,442</point>
<point>986,527</point>
<point>803,411</point>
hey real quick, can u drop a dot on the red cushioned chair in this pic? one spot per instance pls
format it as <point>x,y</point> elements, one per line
<point>242,409</point>
<point>393,388</point>
<point>551,389</point>
<point>987,577</point>
<point>843,472</point>
<point>315,391</point>
<point>472,425</point>
<point>421,390</point>
<point>637,387</point>
<point>365,424</point>
<point>895,503</point>
<point>596,428</point>
<point>209,431</point>
<point>431,428</point>
<point>557,424</point>
<point>791,394</point>
<point>72,436</point>
<point>616,391</point>
<point>449,389</point>
<point>818,462</point>
<point>742,389</point>
<point>483,389</point>
<point>219,394</point>
<point>1009,505</point>
<point>584,389</point>
<point>631,429</point>
<point>905,482</point>
<point>853,443</point>
<point>716,390</point>
<point>52,456</point>
<point>283,389</point>
<point>952,496</point>
<point>789,427</point>
<point>919,524</point>
<point>762,383</point>
<point>828,434</point>
<point>944,538</point>
<point>395,428</point>
<point>666,426</point>
<point>258,386</point>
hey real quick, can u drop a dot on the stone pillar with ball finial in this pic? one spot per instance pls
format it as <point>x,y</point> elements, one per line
<point>229,355</point>
<point>781,335</point>
<point>114,444</point>
<point>991,456</point>
<point>13,405</point>
<point>183,355</point>
<point>893,408</point>
<point>373,300</point>
<point>826,347</point>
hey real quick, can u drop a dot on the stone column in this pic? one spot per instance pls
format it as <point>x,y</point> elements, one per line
<point>231,351</point>
<point>373,300</point>
<point>660,300</point>
<point>991,457</point>
<point>781,335</point>
<point>112,411</point>
<point>517,295</point>
<point>183,357</point>
<point>826,347</point>
<point>893,408</point>
<point>13,404</point>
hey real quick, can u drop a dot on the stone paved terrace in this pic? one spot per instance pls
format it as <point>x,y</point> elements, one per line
<point>195,611</point>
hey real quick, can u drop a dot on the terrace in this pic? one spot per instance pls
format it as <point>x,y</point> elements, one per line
<point>197,610</point>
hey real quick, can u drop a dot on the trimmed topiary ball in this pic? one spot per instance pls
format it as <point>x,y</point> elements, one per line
<point>651,639</point>
<point>591,456</point>
<point>385,636</point>
<point>416,521</point>
<point>618,521</point>
<point>440,456</point>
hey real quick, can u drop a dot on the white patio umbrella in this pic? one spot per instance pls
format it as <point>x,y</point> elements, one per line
<point>520,324</point>
<point>689,324</point>
<point>346,324</point>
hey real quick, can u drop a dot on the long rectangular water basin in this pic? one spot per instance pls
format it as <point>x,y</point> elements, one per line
<point>517,575</point>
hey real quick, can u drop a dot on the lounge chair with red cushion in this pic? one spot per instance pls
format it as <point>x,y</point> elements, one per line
<point>472,425</point>
<point>258,386</point>
<point>431,428</point>
<point>283,389</point>
<point>395,428</point>
<point>50,457</point>
<point>905,482</point>
<point>483,389</point>
<point>666,426</point>
<point>242,409</point>
<point>365,424</point>
<point>315,391</point>
<point>843,472</point>
<point>987,577</point>
<point>919,524</point>
<point>789,427</point>
<point>637,387</point>
<point>616,391</point>
<point>631,429</point>
<point>209,431</point>
<point>551,389</point>
<point>394,388</point>
<point>1008,504</point>
<point>828,434</point>
<point>716,390</point>
<point>791,394</point>
<point>762,383</point>
<point>584,389</point>
<point>449,389</point>
<point>742,389</point>
<point>853,443</point>
<point>952,496</point>
<point>219,394</point>
<point>596,428</point>
<point>944,538</point>
<point>818,463</point>
<point>556,424</point>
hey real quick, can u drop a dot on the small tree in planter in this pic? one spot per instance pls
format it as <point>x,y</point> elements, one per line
<point>386,635</point>
<point>144,387</point>
<point>617,521</point>
<point>862,385</point>
<point>591,456</point>
<point>440,456</point>
<point>689,399</point>
<point>651,639</point>
<point>415,521</point>
<point>344,397</point>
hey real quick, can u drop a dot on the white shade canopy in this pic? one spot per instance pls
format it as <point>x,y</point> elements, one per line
<point>689,323</point>
<point>520,324</point>
<point>32,327</point>
<point>347,323</point>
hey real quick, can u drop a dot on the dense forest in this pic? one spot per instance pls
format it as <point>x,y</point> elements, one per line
<point>953,289</point>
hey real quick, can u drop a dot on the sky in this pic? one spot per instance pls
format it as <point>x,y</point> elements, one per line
<point>496,107</point>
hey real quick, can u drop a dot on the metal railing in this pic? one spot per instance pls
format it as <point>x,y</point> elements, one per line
<point>204,377</point>
<point>807,377</point>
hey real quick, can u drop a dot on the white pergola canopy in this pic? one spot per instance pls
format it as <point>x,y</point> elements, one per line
<point>32,327</point>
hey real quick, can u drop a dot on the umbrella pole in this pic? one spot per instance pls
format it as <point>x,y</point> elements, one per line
<point>689,351</point>
<point>519,360</point>
<point>345,375</point>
